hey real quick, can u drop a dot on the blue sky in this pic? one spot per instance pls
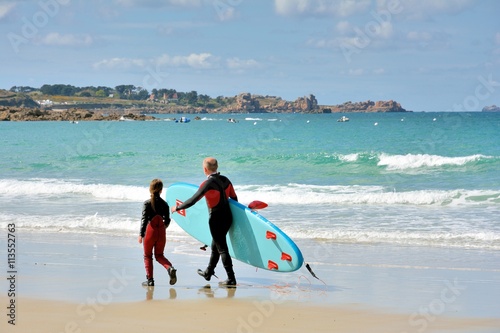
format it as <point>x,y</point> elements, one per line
<point>428,55</point>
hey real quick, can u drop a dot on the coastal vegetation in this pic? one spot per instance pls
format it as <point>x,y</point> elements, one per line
<point>67,102</point>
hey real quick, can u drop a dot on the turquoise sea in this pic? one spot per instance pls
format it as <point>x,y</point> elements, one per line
<point>424,179</point>
<point>416,194</point>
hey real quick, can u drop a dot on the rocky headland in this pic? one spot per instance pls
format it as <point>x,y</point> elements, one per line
<point>492,108</point>
<point>21,107</point>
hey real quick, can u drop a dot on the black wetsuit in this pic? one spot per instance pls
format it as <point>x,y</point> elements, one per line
<point>216,189</point>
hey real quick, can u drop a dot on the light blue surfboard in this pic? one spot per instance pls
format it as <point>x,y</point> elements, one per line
<point>252,239</point>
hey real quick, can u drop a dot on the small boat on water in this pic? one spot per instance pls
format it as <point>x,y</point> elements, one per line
<point>183,120</point>
<point>343,119</point>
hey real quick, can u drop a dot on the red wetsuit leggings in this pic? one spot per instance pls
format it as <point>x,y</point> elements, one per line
<point>155,240</point>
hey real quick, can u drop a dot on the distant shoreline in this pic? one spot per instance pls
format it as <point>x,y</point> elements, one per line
<point>142,114</point>
<point>38,106</point>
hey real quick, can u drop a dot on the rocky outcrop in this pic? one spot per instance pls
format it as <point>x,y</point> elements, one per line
<point>368,106</point>
<point>492,108</point>
<point>35,114</point>
<point>8,98</point>
<point>245,103</point>
<point>307,104</point>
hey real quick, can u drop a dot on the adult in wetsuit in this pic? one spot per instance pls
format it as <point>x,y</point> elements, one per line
<point>216,189</point>
<point>154,222</point>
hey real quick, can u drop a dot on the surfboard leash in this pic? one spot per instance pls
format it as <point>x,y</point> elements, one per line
<point>311,271</point>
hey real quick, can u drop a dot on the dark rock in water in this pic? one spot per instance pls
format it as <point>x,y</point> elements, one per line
<point>73,115</point>
<point>492,108</point>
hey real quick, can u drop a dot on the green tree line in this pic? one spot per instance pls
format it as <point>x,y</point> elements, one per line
<point>128,92</point>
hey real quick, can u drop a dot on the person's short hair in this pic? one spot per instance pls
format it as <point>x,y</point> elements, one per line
<point>211,164</point>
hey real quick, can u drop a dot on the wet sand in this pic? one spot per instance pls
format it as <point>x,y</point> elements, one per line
<point>92,283</point>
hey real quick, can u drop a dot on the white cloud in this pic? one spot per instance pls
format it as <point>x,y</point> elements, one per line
<point>425,9</point>
<point>343,27</point>
<point>158,3</point>
<point>356,36</point>
<point>415,9</point>
<point>200,61</point>
<point>320,7</point>
<point>240,64</point>
<point>321,43</point>
<point>166,30</point>
<point>430,40</point>
<point>120,63</point>
<point>197,61</point>
<point>356,72</point>
<point>361,71</point>
<point>418,36</point>
<point>5,8</point>
<point>384,30</point>
<point>184,2</point>
<point>58,39</point>
<point>356,42</point>
<point>227,14</point>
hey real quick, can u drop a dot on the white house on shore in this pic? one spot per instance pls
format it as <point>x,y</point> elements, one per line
<point>45,102</point>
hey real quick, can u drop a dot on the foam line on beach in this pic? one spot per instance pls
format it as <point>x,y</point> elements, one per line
<point>48,187</point>
<point>419,267</point>
<point>272,194</point>
<point>425,235</point>
<point>356,195</point>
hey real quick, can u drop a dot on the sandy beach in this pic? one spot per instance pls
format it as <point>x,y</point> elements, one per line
<point>68,282</point>
<point>221,315</point>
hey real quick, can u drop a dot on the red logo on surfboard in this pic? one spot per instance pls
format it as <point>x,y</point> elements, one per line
<point>180,211</point>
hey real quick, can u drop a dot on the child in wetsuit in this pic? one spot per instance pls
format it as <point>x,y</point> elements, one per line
<point>154,222</point>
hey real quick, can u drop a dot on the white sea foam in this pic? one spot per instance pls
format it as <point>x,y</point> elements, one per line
<point>409,161</point>
<point>211,119</point>
<point>414,161</point>
<point>297,194</point>
<point>55,187</point>
<point>290,194</point>
<point>123,225</point>
<point>107,208</point>
<point>91,223</point>
<point>349,157</point>
<point>467,239</point>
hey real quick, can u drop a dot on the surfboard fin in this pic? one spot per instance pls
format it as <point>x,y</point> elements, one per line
<point>270,235</point>
<point>286,256</point>
<point>256,205</point>
<point>272,265</point>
